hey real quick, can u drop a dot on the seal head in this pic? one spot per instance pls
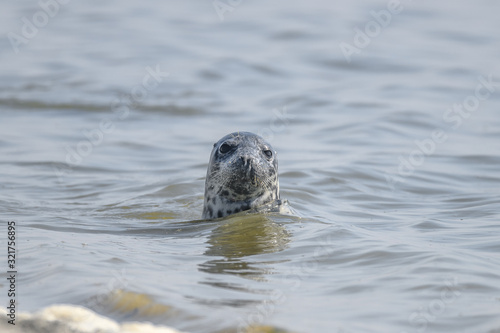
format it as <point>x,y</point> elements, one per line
<point>242,174</point>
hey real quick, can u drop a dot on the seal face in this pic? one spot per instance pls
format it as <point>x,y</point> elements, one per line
<point>242,174</point>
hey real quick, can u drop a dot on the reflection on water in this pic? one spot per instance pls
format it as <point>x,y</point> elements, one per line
<point>239,237</point>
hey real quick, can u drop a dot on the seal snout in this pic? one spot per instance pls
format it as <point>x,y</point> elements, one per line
<point>248,169</point>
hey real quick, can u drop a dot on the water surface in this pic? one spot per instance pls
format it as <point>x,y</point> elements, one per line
<point>390,158</point>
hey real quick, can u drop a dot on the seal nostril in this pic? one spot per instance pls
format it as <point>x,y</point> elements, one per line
<point>245,160</point>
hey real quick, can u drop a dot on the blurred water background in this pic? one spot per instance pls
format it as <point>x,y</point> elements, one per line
<point>385,118</point>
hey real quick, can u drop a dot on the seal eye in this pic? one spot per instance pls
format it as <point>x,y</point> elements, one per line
<point>268,153</point>
<point>224,148</point>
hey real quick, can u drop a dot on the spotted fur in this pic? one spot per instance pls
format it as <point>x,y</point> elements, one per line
<point>242,174</point>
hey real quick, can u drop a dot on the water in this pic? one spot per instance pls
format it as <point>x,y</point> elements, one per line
<point>103,157</point>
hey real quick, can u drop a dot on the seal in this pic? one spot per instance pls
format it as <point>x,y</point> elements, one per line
<point>242,174</point>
